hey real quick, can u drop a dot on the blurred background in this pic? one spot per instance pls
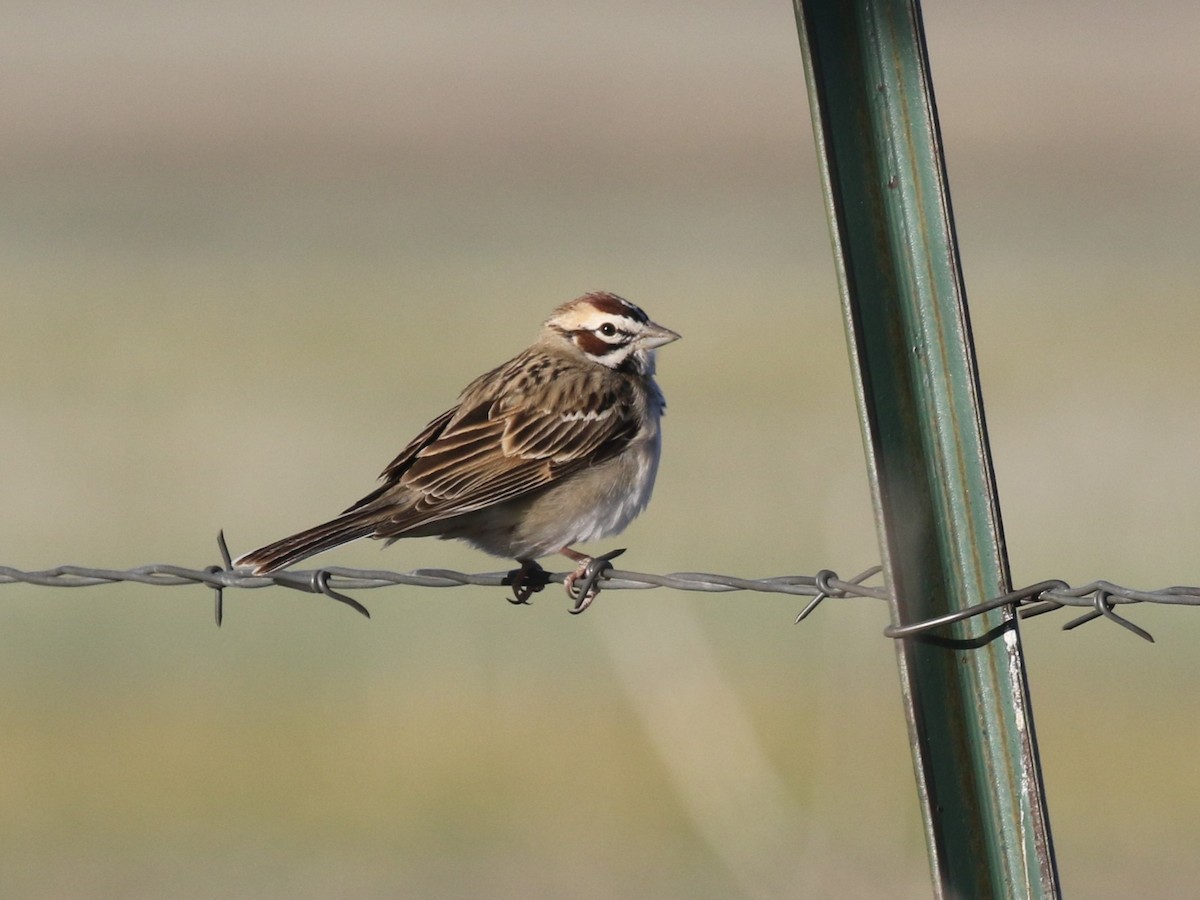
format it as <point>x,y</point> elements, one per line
<point>247,250</point>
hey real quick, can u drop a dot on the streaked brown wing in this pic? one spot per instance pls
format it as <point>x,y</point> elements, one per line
<point>493,452</point>
<point>431,433</point>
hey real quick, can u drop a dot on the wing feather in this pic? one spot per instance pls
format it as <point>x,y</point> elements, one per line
<point>423,441</point>
<point>489,450</point>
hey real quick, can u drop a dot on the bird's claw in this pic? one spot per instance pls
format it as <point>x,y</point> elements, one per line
<point>526,581</point>
<point>583,585</point>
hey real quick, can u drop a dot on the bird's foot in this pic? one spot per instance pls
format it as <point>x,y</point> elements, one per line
<point>583,585</point>
<point>526,581</point>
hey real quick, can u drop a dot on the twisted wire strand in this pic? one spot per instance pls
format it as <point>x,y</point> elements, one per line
<point>341,578</point>
<point>1100,598</point>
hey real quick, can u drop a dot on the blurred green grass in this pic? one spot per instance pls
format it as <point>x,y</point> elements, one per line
<point>238,274</point>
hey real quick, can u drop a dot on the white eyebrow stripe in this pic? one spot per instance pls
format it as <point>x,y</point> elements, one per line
<point>622,335</point>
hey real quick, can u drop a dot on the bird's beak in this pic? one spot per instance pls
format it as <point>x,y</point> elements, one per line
<point>655,336</point>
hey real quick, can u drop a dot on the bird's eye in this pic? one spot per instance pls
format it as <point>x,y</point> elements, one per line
<point>608,329</point>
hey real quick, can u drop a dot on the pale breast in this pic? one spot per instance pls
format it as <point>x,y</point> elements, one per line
<point>588,505</point>
<point>591,504</point>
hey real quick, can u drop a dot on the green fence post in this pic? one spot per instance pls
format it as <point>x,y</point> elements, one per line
<point>965,689</point>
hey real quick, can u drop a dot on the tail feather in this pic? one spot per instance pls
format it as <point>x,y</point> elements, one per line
<point>282,553</point>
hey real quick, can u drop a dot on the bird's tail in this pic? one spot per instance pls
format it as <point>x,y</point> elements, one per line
<point>346,527</point>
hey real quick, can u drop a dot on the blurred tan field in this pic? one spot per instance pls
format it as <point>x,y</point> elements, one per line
<point>246,251</point>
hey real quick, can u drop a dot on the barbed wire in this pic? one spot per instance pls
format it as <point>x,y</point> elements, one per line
<point>1100,597</point>
<point>333,581</point>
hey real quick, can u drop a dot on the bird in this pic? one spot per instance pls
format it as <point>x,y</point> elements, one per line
<point>558,446</point>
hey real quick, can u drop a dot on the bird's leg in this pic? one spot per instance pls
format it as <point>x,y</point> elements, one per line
<point>590,569</point>
<point>526,581</point>
<point>582,559</point>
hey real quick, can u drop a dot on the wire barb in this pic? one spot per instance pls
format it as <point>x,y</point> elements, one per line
<point>316,582</point>
<point>219,589</point>
<point>826,582</point>
<point>1103,606</point>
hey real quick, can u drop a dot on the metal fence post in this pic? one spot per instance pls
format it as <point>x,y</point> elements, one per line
<point>965,690</point>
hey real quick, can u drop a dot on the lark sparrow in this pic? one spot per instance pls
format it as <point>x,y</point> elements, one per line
<point>557,446</point>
